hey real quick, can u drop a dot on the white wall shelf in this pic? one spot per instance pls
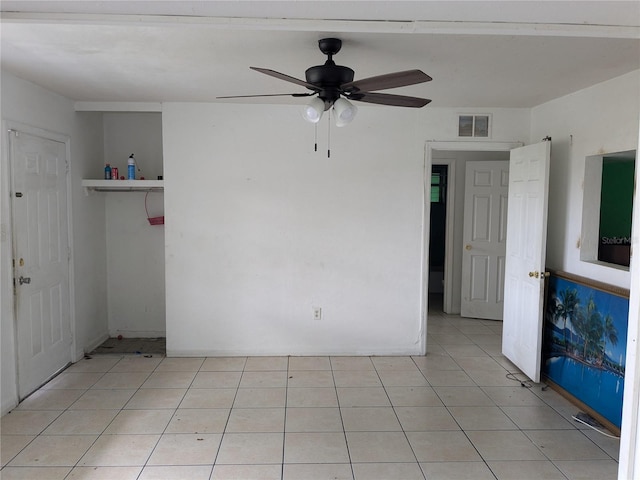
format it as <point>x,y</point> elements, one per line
<point>123,185</point>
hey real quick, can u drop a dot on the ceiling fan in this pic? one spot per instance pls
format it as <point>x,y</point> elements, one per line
<point>332,85</point>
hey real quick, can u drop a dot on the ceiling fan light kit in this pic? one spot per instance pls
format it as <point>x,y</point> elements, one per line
<point>314,110</point>
<point>333,86</point>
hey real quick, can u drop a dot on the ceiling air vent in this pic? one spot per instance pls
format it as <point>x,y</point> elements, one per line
<point>474,126</point>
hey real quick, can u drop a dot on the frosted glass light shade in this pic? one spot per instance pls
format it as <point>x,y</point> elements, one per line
<point>313,111</point>
<point>344,111</point>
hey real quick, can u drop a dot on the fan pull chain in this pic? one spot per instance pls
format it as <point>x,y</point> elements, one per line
<point>315,149</point>
<point>329,135</point>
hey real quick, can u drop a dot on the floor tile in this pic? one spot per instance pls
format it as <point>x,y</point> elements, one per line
<point>94,364</point>
<point>588,469</point>
<point>25,473</point>
<point>309,363</point>
<point>512,396</point>
<point>53,451</point>
<point>537,417</point>
<point>263,379</point>
<point>77,381</point>
<point>504,445</point>
<point>464,350</point>
<point>169,380</point>
<point>369,419</point>
<point>139,422</point>
<point>316,447</point>
<point>431,362</point>
<point>425,419</point>
<point>413,397</point>
<point>379,447</point>
<point>268,364</point>
<point>138,363</point>
<point>260,420</point>
<point>246,472</point>
<point>216,380</point>
<point>103,399</point>
<point>351,363</point>
<point>606,443</point>
<point>11,445</point>
<point>566,445</point>
<point>463,397</point>
<point>353,378</point>
<point>165,472</point>
<point>198,420</point>
<point>121,380</point>
<point>442,447</point>
<point>187,364</point>
<point>363,397</point>
<point>104,473</point>
<point>311,471</point>
<point>526,470</point>
<point>402,378</point>
<point>223,364</point>
<point>251,449</point>
<point>81,422</point>
<point>482,418</point>
<point>120,450</point>
<point>395,363</point>
<point>27,422</point>
<point>156,398</point>
<point>312,397</point>
<point>448,378</point>
<point>50,400</point>
<point>457,471</point>
<point>310,378</point>
<point>208,398</point>
<point>314,419</point>
<point>386,471</point>
<point>260,397</point>
<point>186,449</point>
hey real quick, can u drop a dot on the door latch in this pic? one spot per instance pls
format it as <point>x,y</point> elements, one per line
<point>22,280</point>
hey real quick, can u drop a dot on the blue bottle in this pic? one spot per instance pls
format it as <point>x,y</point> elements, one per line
<point>131,168</point>
<point>107,172</point>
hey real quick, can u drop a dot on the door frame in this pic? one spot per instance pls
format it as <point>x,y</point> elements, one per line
<point>9,127</point>
<point>432,146</point>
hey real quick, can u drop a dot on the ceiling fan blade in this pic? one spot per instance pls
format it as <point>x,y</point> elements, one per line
<point>389,80</point>
<point>285,77</point>
<point>389,99</point>
<point>272,95</point>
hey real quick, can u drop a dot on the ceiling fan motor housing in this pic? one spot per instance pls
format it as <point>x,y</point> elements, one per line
<point>328,78</point>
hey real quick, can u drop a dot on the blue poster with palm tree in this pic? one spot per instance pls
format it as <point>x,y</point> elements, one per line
<point>585,338</point>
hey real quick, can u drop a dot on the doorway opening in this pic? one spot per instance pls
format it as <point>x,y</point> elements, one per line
<point>452,155</point>
<point>437,235</point>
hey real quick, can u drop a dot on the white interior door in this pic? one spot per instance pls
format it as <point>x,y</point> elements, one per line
<point>525,261</point>
<point>41,256</point>
<point>484,239</point>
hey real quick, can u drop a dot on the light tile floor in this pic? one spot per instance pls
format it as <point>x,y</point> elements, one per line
<point>452,414</point>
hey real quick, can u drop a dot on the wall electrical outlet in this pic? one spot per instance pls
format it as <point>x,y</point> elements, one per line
<point>317,313</point>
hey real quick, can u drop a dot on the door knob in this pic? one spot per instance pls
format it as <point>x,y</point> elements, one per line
<point>22,280</point>
<point>535,274</point>
<point>467,247</point>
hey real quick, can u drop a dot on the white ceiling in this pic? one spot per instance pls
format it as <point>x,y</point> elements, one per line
<point>480,54</point>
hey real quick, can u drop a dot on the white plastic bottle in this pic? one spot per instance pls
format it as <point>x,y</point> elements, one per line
<point>131,168</point>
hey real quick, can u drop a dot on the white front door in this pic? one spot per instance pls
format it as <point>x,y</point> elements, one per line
<point>484,239</point>
<point>526,252</point>
<point>41,258</point>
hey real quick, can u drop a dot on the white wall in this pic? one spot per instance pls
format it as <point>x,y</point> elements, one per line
<point>135,249</point>
<point>600,119</point>
<point>32,105</point>
<point>261,229</point>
